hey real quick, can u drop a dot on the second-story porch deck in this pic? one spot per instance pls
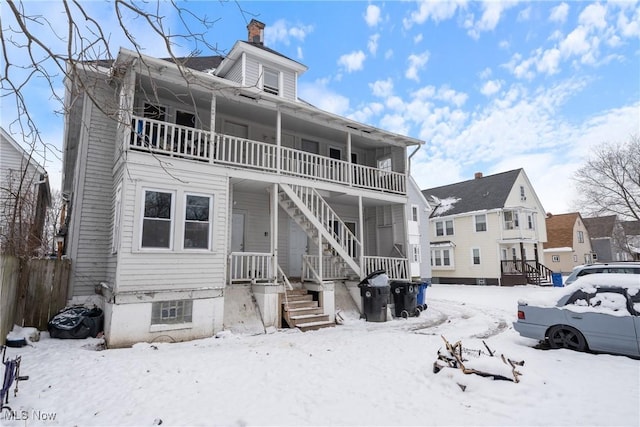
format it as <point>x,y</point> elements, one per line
<point>168,139</point>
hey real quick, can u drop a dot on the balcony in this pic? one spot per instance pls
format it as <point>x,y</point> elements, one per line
<point>184,142</point>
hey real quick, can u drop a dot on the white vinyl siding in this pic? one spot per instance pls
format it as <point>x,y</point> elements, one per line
<point>89,242</point>
<point>143,270</point>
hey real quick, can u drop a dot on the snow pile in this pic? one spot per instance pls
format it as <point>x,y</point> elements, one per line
<point>360,373</point>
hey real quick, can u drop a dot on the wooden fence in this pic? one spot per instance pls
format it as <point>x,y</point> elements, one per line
<point>31,291</point>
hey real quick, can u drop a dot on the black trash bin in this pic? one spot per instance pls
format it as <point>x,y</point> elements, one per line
<point>374,290</point>
<point>405,298</point>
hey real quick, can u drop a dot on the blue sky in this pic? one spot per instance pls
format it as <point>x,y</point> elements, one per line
<point>489,86</point>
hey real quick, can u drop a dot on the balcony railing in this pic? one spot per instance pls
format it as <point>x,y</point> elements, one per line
<point>250,267</point>
<point>189,143</point>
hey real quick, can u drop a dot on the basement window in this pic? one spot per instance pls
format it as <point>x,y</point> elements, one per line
<point>171,312</point>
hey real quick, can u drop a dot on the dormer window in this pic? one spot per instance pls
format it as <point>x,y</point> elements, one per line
<point>271,81</point>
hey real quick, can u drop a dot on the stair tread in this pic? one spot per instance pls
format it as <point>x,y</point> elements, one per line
<point>307,316</point>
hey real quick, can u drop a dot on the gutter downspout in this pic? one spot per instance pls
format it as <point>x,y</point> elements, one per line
<point>409,159</point>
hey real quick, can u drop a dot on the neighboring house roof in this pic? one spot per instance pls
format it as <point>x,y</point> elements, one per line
<point>599,227</point>
<point>481,193</point>
<point>560,230</point>
<point>631,228</point>
<point>23,153</point>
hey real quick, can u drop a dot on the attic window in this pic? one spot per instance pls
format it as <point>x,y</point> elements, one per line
<point>271,81</point>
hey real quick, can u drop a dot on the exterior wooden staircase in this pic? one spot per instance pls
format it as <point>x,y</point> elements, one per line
<point>314,215</point>
<point>300,311</point>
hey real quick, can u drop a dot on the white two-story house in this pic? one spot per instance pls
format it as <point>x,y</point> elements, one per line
<point>488,231</point>
<point>198,174</point>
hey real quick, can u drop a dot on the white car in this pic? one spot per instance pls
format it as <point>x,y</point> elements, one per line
<point>598,312</point>
<point>608,267</point>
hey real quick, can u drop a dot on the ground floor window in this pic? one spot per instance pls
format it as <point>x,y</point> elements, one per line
<point>475,254</point>
<point>441,257</point>
<point>157,223</point>
<point>171,312</point>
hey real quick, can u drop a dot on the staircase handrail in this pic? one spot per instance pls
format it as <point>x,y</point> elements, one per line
<point>285,279</point>
<point>327,215</point>
<point>313,271</point>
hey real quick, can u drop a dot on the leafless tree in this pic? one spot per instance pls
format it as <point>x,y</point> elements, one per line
<point>49,49</point>
<point>609,182</point>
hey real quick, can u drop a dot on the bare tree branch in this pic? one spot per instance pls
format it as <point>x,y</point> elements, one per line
<point>609,182</point>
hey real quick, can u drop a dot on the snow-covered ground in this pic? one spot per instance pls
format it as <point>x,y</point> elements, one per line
<point>358,373</point>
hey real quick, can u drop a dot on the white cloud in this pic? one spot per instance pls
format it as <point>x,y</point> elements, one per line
<point>418,38</point>
<point>593,16</point>
<point>575,43</point>
<point>491,87</point>
<point>490,18</point>
<point>395,123</point>
<point>524,14</point>
<point>485,74</point>
<point>388,54</point>
<point>559,13</point>
<point>319,94</point>
<point>451,96</point>
<point>372,15</point>
<point>283,32</point>
<point>372,44</point>
<point>416,64</point>
<point>436,10</point>
<point>629,27</point>
<point>352,61</point>
<point>382,88</point>
<point>549,62</point>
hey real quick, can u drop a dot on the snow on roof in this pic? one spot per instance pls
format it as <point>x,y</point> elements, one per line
<point>444,205</point>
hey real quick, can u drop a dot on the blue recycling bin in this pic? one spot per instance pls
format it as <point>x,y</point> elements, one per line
<point>422,295</point>
<point>556,279</point>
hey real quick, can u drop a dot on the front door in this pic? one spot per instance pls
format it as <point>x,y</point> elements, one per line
<point>297,248</point>
<point>237,232</point>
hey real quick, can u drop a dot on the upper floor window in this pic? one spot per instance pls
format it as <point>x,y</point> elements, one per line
<point>555,258</point>
<point>197,222</point>
<point>481,222</point>
<point>510,220</point>
<point>415,253</point>
<point>523,196</point>
<point>271,81</point>
<point>530,222</point>
<point>414,213</point>
<point>157,223</point>
<point>580,237</point>
<point>444,228</point>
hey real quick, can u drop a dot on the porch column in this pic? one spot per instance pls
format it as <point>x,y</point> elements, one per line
<point>350,172</point>
<point>212,128</point>
<point>274,231</point>
<point>522,257</point>
<point>320,253</point>
<point>278,141</point>
<point>361,231</point>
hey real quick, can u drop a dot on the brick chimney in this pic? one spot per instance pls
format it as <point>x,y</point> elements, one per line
<point>477,175</point>
<point>256,32</point>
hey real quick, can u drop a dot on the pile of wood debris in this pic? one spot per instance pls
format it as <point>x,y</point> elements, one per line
<point>497,367</point>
